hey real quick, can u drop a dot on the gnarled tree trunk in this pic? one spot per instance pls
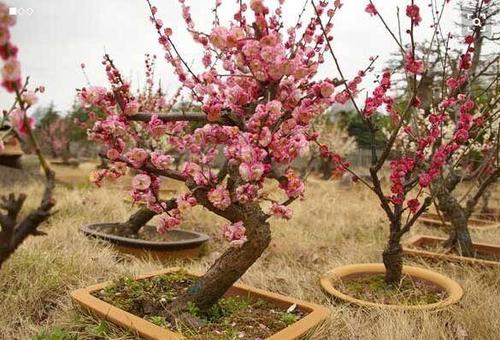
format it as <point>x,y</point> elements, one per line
<point>459,236</point>
<point>137,220</point>
<point>209,288</point>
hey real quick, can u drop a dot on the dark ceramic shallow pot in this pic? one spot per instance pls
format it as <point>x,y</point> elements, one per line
<point>177,243</point>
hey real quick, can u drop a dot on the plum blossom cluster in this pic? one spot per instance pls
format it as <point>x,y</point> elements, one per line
<point>379,97</point>
<point>234,233</point>
<point>428,150</point>
<point>413,12</point>
<point>258,95</point>
<point>11,70</point>
<point>11,76</point>
<point>414,65</point>
<point>438,138</point>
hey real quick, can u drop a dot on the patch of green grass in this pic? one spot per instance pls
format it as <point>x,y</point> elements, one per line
<point>228,306</point>
<point>100,329</point>
<point>159,321</point>
<point>55,334</point>
<point>193,309</point>
<point>288,318</point>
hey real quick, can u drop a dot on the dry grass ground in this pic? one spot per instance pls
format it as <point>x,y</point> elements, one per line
<point>333,226</point>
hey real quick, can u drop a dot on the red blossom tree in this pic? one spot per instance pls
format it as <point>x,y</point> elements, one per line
<point>452,76</point>
<point>55,135</point>
<point>417,173</point>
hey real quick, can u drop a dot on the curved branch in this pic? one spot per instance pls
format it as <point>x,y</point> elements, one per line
<point>227,118</point>
<point>492,178</point>
<point>12,238</point>
<point>149,168</point>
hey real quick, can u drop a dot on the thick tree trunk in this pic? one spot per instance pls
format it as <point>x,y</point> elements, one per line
<point>486,201</point>
<point>326,169</point>
<point>393,256</point>
<point>209,288</point>
<point>459,236</point>
<point>137,221</point>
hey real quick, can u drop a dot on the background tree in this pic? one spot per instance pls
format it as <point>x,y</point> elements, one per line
<point>335,137</point>
<point>54,132</point>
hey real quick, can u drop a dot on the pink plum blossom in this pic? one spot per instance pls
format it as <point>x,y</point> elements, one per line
<point>161,161</point>
<point>167,222</point>
<point>137,157</point>
<point>281,211</point>
<point>17,119</point>
<point>234,233</point>
<point>219,197</point>
<point>370,9</point>
<point>141,182</point>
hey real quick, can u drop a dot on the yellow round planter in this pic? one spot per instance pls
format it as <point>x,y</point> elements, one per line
<point>452,288</point>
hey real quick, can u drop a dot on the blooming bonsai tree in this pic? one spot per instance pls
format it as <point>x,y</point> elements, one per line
<point>471,78</point>
<point>14,230</point>
<point>416,173</point>
<point>148,99</point>
<point>258,93</point>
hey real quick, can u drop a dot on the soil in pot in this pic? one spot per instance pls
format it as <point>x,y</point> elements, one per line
<point>372,287</point>
<point>233,317</point>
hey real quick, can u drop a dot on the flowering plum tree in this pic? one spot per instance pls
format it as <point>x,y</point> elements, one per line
<point>13,229</point>
<point>469,77</point>
<point>258,93</point>
<point>416,174</point>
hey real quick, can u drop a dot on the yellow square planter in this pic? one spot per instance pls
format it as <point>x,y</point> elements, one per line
<point>315,313</point>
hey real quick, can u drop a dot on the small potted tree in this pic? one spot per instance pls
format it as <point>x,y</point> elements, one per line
<point>474,166</point>
<point>15,228</point>
<point>415,172</point>
<point>135,236</point>
<point>258,93</point>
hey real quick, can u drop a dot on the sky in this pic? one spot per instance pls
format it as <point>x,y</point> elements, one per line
<point>59,35</point>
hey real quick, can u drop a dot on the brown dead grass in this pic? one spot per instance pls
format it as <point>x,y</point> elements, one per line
<point>333,226</point>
